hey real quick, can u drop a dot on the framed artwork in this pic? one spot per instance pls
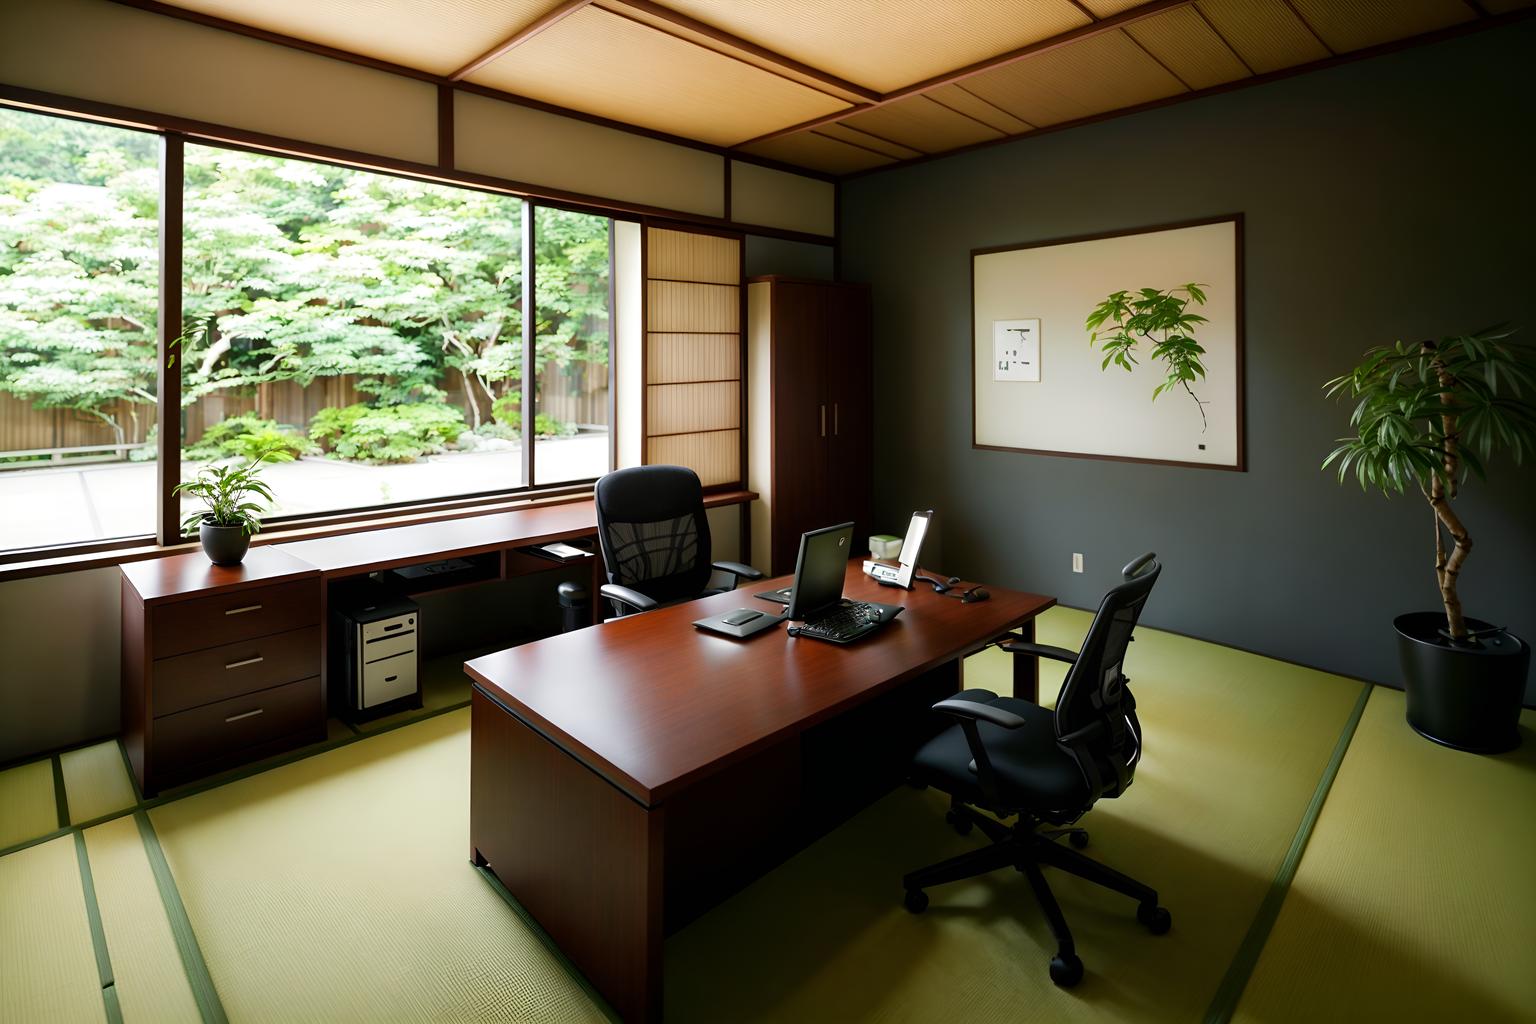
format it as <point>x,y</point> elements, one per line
<point>1036,381</point>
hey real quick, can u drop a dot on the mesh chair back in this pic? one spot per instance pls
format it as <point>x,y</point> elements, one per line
<point>1095,704</point>
<point>653,531</point>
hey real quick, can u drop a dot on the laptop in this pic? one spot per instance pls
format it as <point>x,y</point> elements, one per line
<point>816,600</point>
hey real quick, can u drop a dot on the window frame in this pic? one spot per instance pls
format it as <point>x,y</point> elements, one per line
<point>168,397</point>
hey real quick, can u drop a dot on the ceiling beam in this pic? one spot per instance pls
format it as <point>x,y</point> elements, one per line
<point>840,88</point>
<point>1493,21</point>
<point>1111,24</point>
<point>559,14</point>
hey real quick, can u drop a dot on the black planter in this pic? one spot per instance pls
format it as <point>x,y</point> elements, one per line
<point>224,545</point>
<point>1467,697</point>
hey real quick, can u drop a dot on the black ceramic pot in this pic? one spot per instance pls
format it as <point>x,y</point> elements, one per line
<point>1464,696</point>
<point>224,545</point>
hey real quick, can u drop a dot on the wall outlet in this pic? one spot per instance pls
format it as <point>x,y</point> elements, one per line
<point>1077,561</point>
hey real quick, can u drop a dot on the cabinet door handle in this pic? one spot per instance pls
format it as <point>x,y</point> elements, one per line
<point>242,610</point>
<point>247,714</point>
<point>835,420</point>
<point>823,421</point>
<point>247,661</point>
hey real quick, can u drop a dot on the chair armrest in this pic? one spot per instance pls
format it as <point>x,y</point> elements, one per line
<point>970,712</point>
<point>1041,651</point>
<point>962,708</point>
<point>635,600</point>
<point>739,570</point>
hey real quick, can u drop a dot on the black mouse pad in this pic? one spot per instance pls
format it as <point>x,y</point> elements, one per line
<point>716,624</point>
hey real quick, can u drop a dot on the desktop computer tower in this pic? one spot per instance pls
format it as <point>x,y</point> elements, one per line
<point>376,656</point>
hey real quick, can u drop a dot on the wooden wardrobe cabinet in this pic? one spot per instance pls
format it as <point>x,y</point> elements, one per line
<point>810,409</point>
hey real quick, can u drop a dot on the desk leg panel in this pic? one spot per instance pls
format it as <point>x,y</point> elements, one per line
<point>579,855</point>
<point>1026,669</point>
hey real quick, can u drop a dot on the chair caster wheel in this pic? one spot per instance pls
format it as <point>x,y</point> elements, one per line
<point>959,822</point>
<point>916,901</point>
<point>1079,840</point>
<point>1066,971</point>
<point>1157,919</point>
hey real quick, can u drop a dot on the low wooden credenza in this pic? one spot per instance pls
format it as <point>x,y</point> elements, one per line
<point>221,665</point>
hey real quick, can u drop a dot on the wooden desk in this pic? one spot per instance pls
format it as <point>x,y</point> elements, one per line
<point>626,777</point>
<point>224,665</point>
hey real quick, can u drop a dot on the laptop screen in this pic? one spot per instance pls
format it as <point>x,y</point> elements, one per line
<point>819,570</point>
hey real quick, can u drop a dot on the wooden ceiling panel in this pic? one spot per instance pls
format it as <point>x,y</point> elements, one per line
<point>603,64</point>
<point>868,140</point>
<point>819,152</point>
<point>1265,33</point>
<point>1355,24</point>
<point>1090,77</point>
<point>1189,47</point>
<point>925,125</point>
<point>957,97</point>
<point>436,37</point>
<point>1104,8</point>
<point>886,44</point>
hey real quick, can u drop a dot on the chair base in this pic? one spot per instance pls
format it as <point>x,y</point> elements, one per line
<point>1026,848</point>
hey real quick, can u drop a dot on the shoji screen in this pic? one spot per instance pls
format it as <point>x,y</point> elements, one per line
<point>693,353</point>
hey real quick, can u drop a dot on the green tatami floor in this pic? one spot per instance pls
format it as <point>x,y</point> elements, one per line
<point>1321,862</point>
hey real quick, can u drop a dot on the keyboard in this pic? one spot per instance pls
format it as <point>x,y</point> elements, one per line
<point>843,625</point>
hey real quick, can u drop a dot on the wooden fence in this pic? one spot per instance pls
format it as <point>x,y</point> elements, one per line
<point>564,395</point>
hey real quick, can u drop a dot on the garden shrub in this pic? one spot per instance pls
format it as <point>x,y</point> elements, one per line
<point>395,433</point>
<point>508,412</point>
<point>247,436</point>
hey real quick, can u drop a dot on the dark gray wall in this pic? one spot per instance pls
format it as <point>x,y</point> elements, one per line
<point>791,259</point>
<point>1384,199</point>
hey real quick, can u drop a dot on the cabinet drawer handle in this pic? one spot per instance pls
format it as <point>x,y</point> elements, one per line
<point>246,714</point>
<point>823,421</point>
<point>248,661</point>
<point>243,610</point>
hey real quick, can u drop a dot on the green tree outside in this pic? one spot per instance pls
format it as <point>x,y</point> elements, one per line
<point>292,271</point>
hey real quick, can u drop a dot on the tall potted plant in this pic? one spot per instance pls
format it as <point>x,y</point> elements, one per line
<point>228,517</point>
<point>1427,415</point>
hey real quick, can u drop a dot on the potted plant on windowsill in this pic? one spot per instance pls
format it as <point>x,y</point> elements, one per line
<point>228,517</point>
<point>1428,415</point>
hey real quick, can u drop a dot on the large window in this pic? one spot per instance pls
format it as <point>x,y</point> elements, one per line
<point>368,326</point>
<point>79,207</point>
<point>368,329</point>
<point>573,272</point>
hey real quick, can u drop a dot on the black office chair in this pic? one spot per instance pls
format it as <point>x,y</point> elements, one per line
<point>1012,757</point>
<point>655,539</point>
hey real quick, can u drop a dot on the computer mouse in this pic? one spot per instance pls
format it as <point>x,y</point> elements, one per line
<point>974,594</point>
<point>741,617</point>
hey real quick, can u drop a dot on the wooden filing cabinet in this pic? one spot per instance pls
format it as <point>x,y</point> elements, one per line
<point>811,412</point>
<point>221,665</point>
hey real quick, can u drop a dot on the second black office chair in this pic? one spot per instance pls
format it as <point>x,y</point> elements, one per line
<point>655,539</point>
<point>1011,757</point>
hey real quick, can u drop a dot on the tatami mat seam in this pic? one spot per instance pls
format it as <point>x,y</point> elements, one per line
<point>98,934</point>
<point>1224,1003</point>
<point>60,797</point>
<point>133,780</point>
<point>192,962</point>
